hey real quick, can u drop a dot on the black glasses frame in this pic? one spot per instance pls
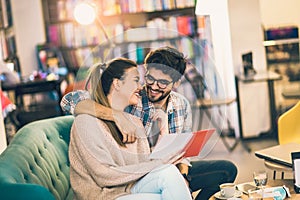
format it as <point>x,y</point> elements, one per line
<point>161,83</point>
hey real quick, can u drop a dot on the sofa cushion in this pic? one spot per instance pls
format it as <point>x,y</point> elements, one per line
<point>35,165</point>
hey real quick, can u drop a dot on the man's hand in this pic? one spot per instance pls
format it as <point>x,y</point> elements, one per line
<point>162,119</point>
<point>184,169</point>
<point>127,127</point>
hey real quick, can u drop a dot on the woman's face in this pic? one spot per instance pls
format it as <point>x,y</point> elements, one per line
<point>130,86</point>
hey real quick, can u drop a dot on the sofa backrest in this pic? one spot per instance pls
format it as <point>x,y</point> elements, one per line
<point>36,161</point>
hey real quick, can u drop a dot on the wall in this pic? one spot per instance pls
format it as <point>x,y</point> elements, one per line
<point>236,29</point>
<point>276,13</point>
<point>220,36</point>
<point>279,13</point>
<point>247,35</point>
<point>29,30</point>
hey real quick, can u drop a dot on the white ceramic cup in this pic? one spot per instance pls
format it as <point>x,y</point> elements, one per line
<point>227,190</point>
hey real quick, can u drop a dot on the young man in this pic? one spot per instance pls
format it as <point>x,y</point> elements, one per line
<point>164,68</point>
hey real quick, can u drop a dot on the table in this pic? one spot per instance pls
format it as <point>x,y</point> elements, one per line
<point>38,108</point>
<point>272,183</point>
<point>291,94</point>
<point>268,77</point>
<point>32,87</point>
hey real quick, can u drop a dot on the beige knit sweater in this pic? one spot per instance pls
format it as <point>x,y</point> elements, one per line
<point>99,167</point>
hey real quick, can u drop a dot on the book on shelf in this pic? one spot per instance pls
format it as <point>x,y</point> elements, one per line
<point>1,18</point>
<point>53,34</point>
<point>11,45</point>
<point>4,47</point>
<point>185,25</point>
<point>5,20</point>
<point>135,6</point>
<point>189,143</point>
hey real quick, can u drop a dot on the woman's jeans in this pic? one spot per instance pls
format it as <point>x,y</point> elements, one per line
<point>162,183</point>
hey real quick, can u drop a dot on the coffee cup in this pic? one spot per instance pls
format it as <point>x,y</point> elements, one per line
<point>227,190</point>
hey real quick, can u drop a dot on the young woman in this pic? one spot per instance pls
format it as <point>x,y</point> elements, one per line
<point>102,165</point>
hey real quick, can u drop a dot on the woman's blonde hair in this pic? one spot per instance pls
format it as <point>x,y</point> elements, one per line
<point>100,79</point>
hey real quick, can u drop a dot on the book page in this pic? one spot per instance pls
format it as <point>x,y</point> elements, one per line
<point>170,144</point>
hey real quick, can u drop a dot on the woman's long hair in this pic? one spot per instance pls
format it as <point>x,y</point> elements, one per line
<point>100,80</point>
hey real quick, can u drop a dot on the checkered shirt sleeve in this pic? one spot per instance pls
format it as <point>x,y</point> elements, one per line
<point>71,99</point>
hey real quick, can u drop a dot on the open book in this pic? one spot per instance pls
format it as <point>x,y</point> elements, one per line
<point>172,144</point>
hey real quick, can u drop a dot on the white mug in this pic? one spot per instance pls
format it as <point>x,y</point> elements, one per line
<point>227,190</point>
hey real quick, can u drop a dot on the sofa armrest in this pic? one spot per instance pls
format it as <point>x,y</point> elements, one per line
<point>24,192</point>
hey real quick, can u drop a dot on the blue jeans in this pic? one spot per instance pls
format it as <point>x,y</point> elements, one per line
<point>207,175</point>
<point>162,183</point>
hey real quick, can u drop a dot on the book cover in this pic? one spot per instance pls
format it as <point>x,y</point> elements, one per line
<point>183,25</point>
<point>172,144</point>
<point>199,139</point>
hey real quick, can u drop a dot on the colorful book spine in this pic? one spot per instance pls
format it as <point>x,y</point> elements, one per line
<point>4,13</point>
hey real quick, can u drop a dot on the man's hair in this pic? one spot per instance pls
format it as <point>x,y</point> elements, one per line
<point>167,59</point>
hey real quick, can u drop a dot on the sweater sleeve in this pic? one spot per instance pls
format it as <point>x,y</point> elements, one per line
<point>103,158</point>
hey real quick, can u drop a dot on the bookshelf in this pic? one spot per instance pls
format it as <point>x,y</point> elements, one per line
<point>168,22</point>
<point>282,53</point>
<point>7,36</point>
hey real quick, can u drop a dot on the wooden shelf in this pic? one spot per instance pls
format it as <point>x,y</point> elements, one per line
<point>64,32</point>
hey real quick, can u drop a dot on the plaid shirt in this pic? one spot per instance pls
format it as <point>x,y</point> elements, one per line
<point>179,113</point>
<point>71,99</point>
<point>179,110</point>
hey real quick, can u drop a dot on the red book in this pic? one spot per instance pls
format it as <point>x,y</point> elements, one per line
<point>199,139</point>
<point>173,144</point>
<point>183,25</point>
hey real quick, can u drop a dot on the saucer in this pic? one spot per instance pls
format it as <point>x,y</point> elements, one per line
<point>236,195</point>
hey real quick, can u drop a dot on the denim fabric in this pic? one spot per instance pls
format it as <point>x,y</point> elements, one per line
<point>165,181</point>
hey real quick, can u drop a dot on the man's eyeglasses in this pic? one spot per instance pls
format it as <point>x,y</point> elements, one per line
<point>161,83</point>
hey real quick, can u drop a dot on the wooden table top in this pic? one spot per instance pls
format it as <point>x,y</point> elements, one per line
<point>272,183</point>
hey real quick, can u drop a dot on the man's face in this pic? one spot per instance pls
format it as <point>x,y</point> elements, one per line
<point>158,85</point>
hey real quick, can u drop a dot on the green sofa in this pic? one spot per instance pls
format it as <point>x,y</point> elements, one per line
<point>35,165</point>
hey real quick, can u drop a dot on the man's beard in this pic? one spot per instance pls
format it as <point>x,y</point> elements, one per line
<point>163,96</point>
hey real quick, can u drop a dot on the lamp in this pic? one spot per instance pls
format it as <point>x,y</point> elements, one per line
<point>85,13</point>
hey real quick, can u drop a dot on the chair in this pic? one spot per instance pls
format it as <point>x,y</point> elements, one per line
<point>206,105</point>
<point>35,165</point>
<point>288,131</point>
<point>289,126</point>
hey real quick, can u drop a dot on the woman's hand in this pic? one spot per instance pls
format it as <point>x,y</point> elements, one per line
<point>126,126</point>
